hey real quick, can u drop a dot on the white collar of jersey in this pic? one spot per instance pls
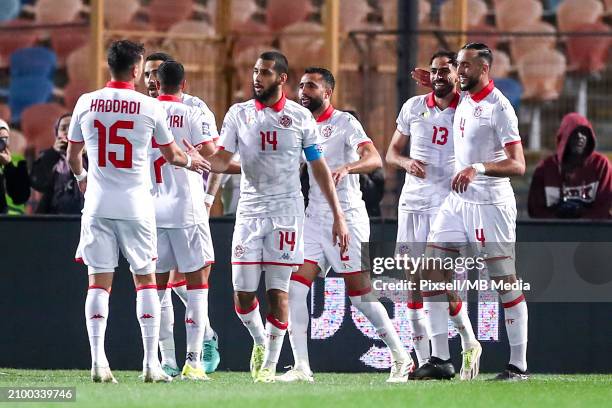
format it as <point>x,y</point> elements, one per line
<point>120,85</point>
<point>278,106</point>
<point>326,114</point>
<point>170,98</point>
<point>484,92</point>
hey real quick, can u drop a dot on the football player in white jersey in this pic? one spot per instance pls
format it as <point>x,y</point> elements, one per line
<point>426,124</point>
<point>176,281</point>
<point>184,242</point>
<point>270,132</point>
<point>349,152</point>
<point>479,215</point>
<point>116,125</point>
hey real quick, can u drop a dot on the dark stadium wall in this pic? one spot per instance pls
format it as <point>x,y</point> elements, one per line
<point>42,323</point>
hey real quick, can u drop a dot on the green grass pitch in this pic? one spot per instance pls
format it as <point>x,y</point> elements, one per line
<point>232,389</point>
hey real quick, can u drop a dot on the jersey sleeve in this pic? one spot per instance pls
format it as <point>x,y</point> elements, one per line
<point>210,124</point>
<point>228,139</point>
<point>403,119</point>
<point>309,132</point>
<point>163,135</point>
<point>357,136</point>
<point>505,124</point>
<point>198,128</point>
<point>75,135</point>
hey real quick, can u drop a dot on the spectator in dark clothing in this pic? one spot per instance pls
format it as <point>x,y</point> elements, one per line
<point>14,181</point>
<point>576,181</point>
<point>372,188</point>
<point>51,176</point>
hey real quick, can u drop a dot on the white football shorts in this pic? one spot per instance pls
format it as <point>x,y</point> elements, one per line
<point>188,249</point>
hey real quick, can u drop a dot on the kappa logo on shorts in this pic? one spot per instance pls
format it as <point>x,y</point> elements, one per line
<point>327,131</point>
<point>285,121</point>
<point>239,251</point>
<point>477,111</point>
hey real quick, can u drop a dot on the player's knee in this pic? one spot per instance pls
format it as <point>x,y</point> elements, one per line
<point>245,300</point>
<point>502,271</point>
<point>146,270</point>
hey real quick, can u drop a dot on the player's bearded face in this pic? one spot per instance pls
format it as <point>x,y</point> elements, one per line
<point>150,77</point>
<point>262,93</point>
<point>443,77</point>
<point>470,69</point>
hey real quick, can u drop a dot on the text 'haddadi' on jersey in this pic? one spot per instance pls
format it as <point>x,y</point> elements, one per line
<point>340,135</point>
<point>178,192</point>
<point>270,141</point>
<point>117,125</point>
<point>431,141</point>
<point>484,124</point>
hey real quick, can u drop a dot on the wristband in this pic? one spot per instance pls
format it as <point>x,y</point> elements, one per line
<point>188,165</point>
<point>81,177</point>
<point>479,167</point>
<point>209,199</point>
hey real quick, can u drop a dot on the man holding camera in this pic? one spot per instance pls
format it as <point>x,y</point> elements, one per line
<point>14,183</point>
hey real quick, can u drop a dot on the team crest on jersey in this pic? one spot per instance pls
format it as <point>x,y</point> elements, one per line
<point>239,251</point>
<point>477,111</point>
<point>285,121</point>
<point>425,114</point>
<point>326,132</point>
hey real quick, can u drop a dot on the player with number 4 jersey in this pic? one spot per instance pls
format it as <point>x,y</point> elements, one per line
<point>116,125</point>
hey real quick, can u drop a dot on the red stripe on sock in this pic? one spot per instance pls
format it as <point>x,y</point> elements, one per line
<point>433,293</point>
<point>79,260</point>
<point>514,302</point>
<point>301,279</point>
<point>456,311</point>
<point>162,287</point>
<point>279,325</point>
<point>415,305</point>
<point>311,262</point>
<point>178,284</point>
<point>98,287</point>
<point>202,286</point>
<point>141,287</point>
<point>360,292</point>
<point>249,310</point>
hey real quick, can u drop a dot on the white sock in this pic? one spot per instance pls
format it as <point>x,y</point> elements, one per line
<point>298,322</point>
<point>377,315</point>
<point>196,320</point>
<point>275,334</point>
<point>209,333</point>
<point>166,328</point>
<point>420,339</point>
<point>252,321</point>
<point>180,288</point>
<point>96,316</point>
<point>437,324</point>
<point>148,311</point>
<point>462,323</point>
<point>516,318</point>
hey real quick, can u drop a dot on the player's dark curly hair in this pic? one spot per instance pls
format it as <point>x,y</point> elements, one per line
<point>122,56</point>
<point>170,74</point>
<point>328,77</point>
<point>484,51</point>
<point>281,65</point>
<point>159,56</point>
<point>452,57</point>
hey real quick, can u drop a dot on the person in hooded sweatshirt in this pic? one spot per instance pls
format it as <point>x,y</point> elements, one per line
<point>576,181</point>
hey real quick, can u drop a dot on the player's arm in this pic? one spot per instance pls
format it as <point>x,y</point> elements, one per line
<point>369,160</point>
<point>75,161</point>
<point>190,159</point>
<point>400,161</point>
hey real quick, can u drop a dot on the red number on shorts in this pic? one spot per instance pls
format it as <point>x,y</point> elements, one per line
<point>344,258</point>
<point>443,135</point>
<point>269,138</point>
<point>157,164</point>
<point>287,237</point>
<point>114,138</point>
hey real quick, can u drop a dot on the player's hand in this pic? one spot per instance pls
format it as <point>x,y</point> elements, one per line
<point>5,157</point>
<point>421,76</point>
<point>463,179</point>
<point>82,185</point>
<point>339,174</point>
<point>415,168</point>
<point>60,144</point>
<point>198,163</point>
<point>340,234</point>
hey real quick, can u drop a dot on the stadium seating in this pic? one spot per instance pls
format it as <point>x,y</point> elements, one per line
<point>118,13</point>
<point>512,13</point>
<point>501,65</point>
<point>66,40</point>
<point>33,61</point>
<point>588,54</point>
<point>37,124</point>
<point>512,89</point>
<point>57,11</point>
<point>73,90</point>
<point>9,9</point>
<point>574,13</point>
<point>163,14</point>
<point>5,112</point>
<point>302,50</point>
<point>542,73</point>
<point>489,35</point>
<point>522,45</point>
<point>281,13</point>
<point>353,14</point>
<point>26,91</point>
<point>78,64</point>
<point>476,15</point>
<point>12,40</point>
<point>191,51</point>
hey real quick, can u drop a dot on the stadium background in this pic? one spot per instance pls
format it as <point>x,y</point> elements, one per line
<point>551,57</point>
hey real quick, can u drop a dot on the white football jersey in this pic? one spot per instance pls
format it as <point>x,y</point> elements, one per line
<point>340,135</point>
<point>484,124</point>
<point>117,125</point>
<point>431,141</point>
<point>209,124</point>
<point>178,192</point>
<point>270,141</point>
